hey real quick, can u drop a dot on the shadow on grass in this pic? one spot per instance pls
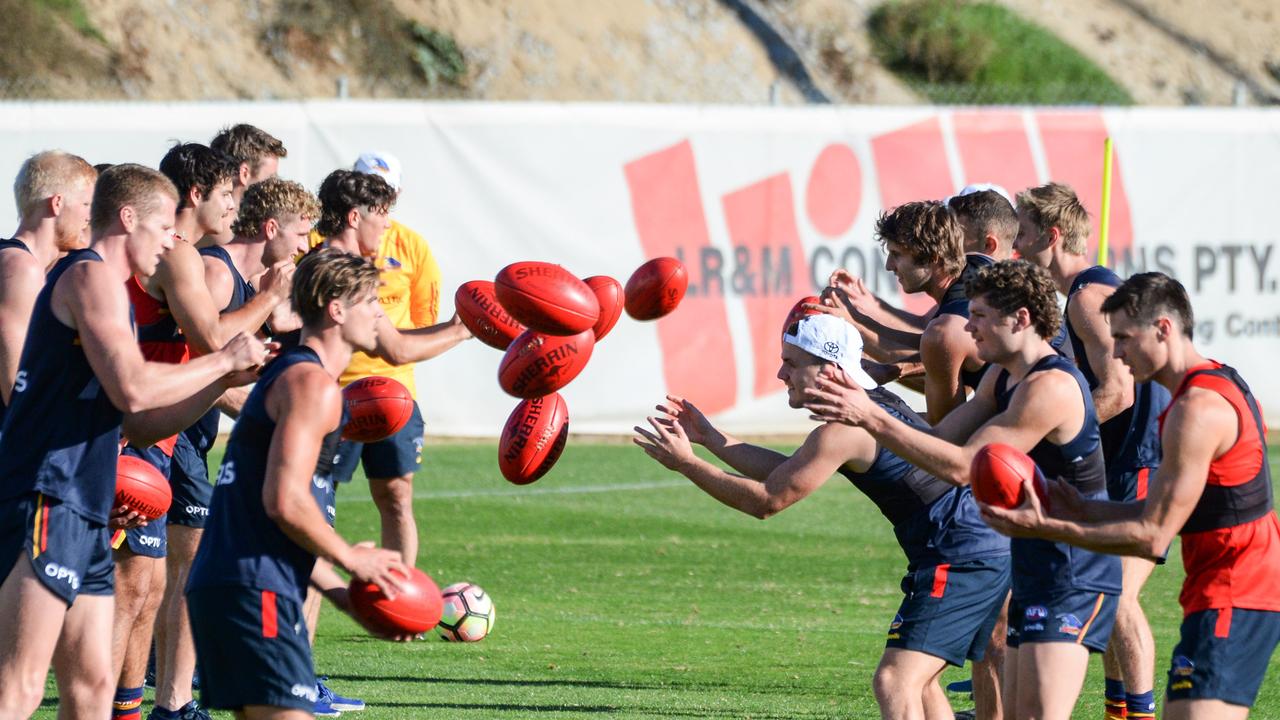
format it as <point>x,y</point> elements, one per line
<point>596,709</point>
<point>603,684</point>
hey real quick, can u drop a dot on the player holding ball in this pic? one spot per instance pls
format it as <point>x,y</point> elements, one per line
<point>267,524</point>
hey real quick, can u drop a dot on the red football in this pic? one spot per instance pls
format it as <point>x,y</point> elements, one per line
<point>798,311</point>
<point>533,438</point>
<point>546,298</point>
<point>656,288</point>
<point>484,316</point>
<point>996,476</point>
<point>609,294</point>
<point>538,364</point>
<point>416,609</point>
<point>377,406</point>
<point>142,487</point>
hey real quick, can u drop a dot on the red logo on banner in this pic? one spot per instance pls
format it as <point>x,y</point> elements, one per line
<point>766,267</point>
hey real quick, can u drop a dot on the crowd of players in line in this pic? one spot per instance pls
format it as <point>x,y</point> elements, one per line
<point>132,304</point>
<point>136,305</point>
<point>1140,437</point>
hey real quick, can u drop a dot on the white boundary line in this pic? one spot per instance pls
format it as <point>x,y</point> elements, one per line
<point>520,492</point>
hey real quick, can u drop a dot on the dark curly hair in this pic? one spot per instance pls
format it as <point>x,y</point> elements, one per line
<point>248,144</point>
<point>192,165</point>
<point>928,231</point>
<point>1012,284</point>
<point>345,190</point>
<point>1146,296</point>
<point>989,212</point>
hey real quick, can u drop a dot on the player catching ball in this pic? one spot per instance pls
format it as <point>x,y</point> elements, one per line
<point>267,524</point>
<point>1213,488</point>
<point>958,569</point>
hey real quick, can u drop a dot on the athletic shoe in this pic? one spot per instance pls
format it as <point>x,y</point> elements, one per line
<point>966,715</point>
<point>190,711</point>
<point>324,709</point>
<point>960,686</point>
<point>334,700</point>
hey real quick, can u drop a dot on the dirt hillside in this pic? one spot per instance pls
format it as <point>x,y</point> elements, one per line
<point>1167,52</point>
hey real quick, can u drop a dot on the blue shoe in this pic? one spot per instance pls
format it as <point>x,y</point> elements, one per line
<point>190,711</point>
<point>334,700</point>
<point>960,686</point>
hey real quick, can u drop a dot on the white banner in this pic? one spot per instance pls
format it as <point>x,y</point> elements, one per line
<point>760,203</point>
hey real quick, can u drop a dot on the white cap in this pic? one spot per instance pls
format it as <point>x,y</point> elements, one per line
<point>982,187</point>
<point>835,340</point>
<point>380,163</point>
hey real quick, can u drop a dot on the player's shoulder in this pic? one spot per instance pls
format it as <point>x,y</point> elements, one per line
<point>181,260</point>
<point>1056,384</point>
<point>19,264</point>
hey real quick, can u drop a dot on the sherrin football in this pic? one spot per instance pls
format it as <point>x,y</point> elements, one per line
<point>537,364</point>
<point>378,408</point>
<point>547,298</point>
<point>478,306</point>
<point>416,609</point>
<point>533,438</point>
<point>656,288</point>
<point>142,487</point>
<point>609,294</point>
<point>997,473</point>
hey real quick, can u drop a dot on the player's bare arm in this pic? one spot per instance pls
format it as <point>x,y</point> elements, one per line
<point>93,301</point>
<point>21,279</point>
<point>1200,427</point>
<point>750,460</point>
<point>862,301</point>
<point>944,347</point>
<point>306,404</point>
<point>1035,413</point>
<point>401,347</point>
<point>1114,392</point>
<point>180,277</point>
<point>796,477</point>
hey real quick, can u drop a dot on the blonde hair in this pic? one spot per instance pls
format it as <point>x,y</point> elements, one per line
<point>1056,205</point>
<point>276,199</point>
<point>127,185</point>
<point>326,274</point>
<point>49,173</point>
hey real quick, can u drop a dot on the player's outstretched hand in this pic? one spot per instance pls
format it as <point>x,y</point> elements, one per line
<point>855,293</point>
<point>836,398</point>
<point>667,443</point>
<point>1026,520</point>
<point>278,280</point>
<point>461,327</point>
<point>697,428</point>
<point>833,302</point>
<point>382,567</point>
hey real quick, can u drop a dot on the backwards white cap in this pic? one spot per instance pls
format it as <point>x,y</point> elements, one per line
<point>982,187</point>
<point>380,163</point>
<point>835,340</point>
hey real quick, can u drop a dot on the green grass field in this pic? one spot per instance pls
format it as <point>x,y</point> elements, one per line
<point>623,591</point>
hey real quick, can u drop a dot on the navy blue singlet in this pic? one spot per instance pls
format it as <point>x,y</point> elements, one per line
<point>61,436</point>
<point>1130,439</point>
<point>242,546</point>
<point>955,301</point>
<point>1040,567</point>
<point>205,431</point>
<point>934,521</point>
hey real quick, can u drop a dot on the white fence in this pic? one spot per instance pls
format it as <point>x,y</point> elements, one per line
<point>761,203</point>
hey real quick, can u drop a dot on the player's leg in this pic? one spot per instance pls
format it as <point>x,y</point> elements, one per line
<point>900,682</point>
<point>137,653</point>
<point>82,661</point>
<point>988,672</point>
<point>29,627</point>
<point>390,466</point>
<point>175,651</point>
<point>139,581</point>
<point>35,595</point>
<point>1204,710</point>
<point>1132,648</point>
<point>1009,682</point>
<point>934,700</point>
<point>1050,676</point>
